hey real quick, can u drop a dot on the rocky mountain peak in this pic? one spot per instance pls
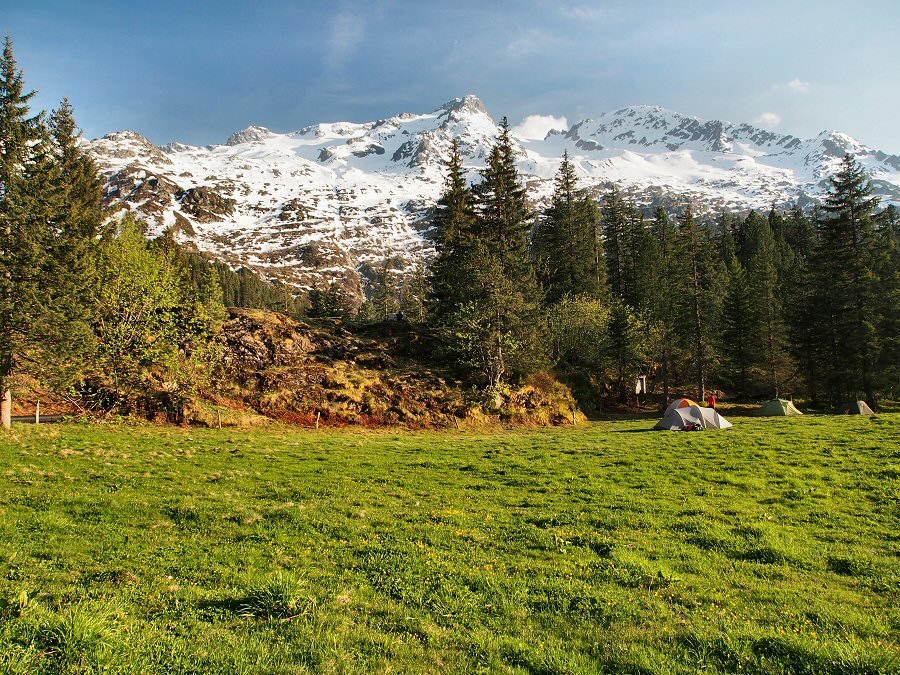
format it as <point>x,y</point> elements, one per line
<point>249,135</point>
<point>468,103</point>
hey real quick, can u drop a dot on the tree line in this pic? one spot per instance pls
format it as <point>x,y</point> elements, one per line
<point>755,305</point>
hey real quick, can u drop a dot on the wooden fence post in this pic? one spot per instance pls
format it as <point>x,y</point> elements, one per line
<point>5,406</point>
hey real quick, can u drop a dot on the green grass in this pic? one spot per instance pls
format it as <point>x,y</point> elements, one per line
<point>773,547</point>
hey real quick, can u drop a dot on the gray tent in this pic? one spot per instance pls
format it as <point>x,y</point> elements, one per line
<point>692,417</point>
<point>859,408</point>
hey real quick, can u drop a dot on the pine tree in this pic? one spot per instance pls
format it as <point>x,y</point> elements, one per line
<point>769,328</point>
<point>887,268</point>
<point>48,213</point>
<point>627,345</point>
<point>738,328</point>
<point>844,266</point>
<point>385,293</point>
<point>615,241</point>
<point>414,293</point>
<point>332,302</point>
<point>504,216</point>
<point>488,304</point>
<point>698,306</point>
<point>666,265</point>
<point>567,245</point>
<point>454,225</point>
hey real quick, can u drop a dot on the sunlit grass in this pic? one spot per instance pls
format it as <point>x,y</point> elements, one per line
<point>772,547</point>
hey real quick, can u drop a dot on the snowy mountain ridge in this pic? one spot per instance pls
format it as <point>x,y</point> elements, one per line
<point>332,200</point>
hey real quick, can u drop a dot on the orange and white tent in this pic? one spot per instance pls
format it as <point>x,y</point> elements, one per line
<point>680,403</point>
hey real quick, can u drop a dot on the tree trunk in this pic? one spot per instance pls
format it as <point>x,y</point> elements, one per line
<point>665,371</point>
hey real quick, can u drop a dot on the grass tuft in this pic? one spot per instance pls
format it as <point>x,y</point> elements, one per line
<point>279,596</point>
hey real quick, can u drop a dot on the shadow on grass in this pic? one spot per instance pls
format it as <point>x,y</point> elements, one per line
<point>228,607</point>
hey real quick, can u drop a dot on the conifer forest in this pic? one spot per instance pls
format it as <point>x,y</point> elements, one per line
<point>590,289</point>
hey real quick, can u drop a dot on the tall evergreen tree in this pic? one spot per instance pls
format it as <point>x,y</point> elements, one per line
<point>667,267</point>
<point>627,345</point>
<point>48,213</point>
<point>413,296</point>
<point>332,302</point>
<point>567,243</point>
<point>455,236</point>
<point>504,216</point>
<point>847,286</point>
<point>699,306</point>
<point>386,294</point>
<point>615,241</point>
<point>887,268</point>
<point>738,329</point>
<point>766,293</point>
<point>488,303</point>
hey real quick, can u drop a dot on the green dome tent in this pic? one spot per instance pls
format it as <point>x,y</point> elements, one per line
<point>778,407</point>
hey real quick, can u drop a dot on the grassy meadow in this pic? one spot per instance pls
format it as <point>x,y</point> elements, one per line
<point>773,547</point>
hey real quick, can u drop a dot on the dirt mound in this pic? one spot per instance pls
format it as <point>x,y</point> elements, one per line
<point>326,373</point>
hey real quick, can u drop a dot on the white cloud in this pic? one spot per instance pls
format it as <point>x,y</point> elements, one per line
<point>586,12</point>
<point>796,85</point>
<point>536,127</point>
<point>347,32</point>
<point>528,43</point>
<point>768,120</point>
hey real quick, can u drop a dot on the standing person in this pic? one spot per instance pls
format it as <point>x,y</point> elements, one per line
<point>711,401</point>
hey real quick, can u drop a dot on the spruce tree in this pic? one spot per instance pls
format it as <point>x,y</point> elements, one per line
<point>504,216</point>
<point>844,266</point>
<point>667,267</point>
<point>615,241</point>
<point>567,245</point>
<point>454,237</point>
<point>738,329</point>
<point>485,287</point>
<point>887,268</point>
<point>385,293</point>
<point>49,209</point>
<point>769,328</point>
<point>331,302</point>
<point>627,346</point>
<point>414,292</point>
<point>699,304</point>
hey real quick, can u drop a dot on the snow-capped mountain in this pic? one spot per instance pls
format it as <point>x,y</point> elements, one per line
<point>332,200</point>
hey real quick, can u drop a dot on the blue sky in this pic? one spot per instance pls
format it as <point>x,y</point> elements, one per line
<point>197,71</point>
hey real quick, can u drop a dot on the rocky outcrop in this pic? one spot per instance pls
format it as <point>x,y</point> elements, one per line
<point>205,204</point>
<point>310,373</point>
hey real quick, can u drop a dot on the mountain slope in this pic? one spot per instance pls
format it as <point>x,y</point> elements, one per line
<point>333,200</point>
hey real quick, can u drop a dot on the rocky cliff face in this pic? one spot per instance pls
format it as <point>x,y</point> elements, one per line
<point>322,203</point>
